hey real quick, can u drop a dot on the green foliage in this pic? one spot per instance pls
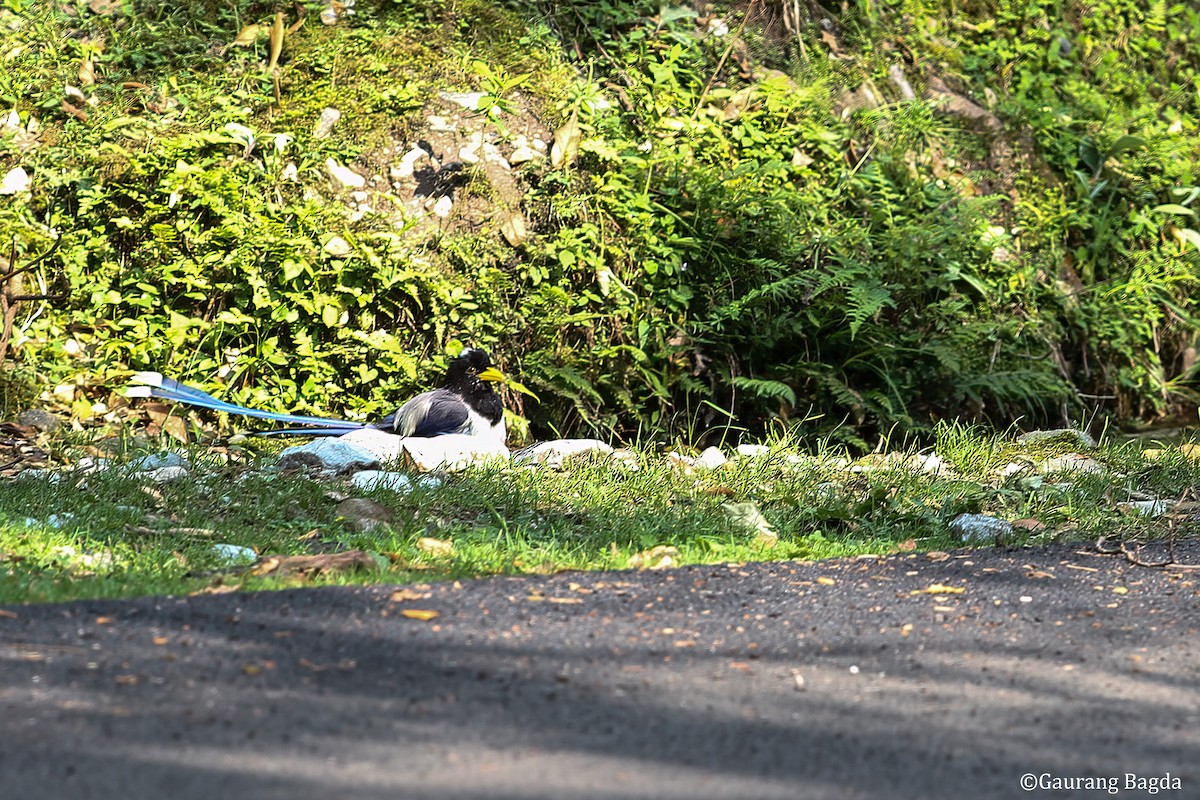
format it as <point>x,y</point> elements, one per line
<point>754,243</point>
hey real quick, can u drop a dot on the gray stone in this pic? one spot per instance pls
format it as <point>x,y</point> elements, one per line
<point>981,528</point>
<point>561,452</point>
<point>336,455</point>
<point>1072,436</point>
<point>157,461</point>
<point>37,418</point>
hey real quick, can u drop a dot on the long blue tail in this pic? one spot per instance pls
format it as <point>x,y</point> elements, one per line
<point>154,384</point>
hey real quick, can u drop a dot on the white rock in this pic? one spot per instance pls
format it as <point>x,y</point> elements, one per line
<point>442,207</point>
<point>469,155</point>
<point>385,447</point>
<point>408,163</point>
<point>157,461</point>
<point>164,474</point>
<point>492,155</point>
<point>440,124</point>
<point>329,118</point>
<point>753,450</point>
<point>15,180</point>
<point>337,247</point>
<point>560,452</point>
<point>380,479</point>
<point>360,197</point>
<point>344,175</point>
<point>468,100</point>
<point>450,452</point>
<point>931,464</point>
<point>1148,508</point>
<point>524,154</point>
<point>711,458</point>
<point>290,172</point>
<point>233,554</point>
<point>1072,462</point>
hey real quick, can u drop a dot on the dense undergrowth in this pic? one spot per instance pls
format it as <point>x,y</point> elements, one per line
<point>757,224</point>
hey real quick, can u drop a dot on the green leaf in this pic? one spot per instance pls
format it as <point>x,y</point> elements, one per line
<point>1175,208</point>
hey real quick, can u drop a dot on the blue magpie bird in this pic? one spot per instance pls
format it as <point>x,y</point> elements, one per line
<point>466,404</point>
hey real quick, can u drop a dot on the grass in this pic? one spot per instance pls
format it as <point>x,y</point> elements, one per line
<point>115,534</point>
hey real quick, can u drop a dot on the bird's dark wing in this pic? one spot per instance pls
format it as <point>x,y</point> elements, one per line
<point>429,414</point>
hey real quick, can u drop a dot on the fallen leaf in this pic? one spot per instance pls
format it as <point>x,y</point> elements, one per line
<point>1120,590</point>
<point>416,613</point>
<point>403,595</point>
<point>566,142</point>
<point>938,588</point>
<point>937,555</point>
<point>564,600</point>
<point>248,36</point>
<point>277,34</point>
<point>104,620</point>
<point>826,581</point>
<point>749,518</point>
<point>1037,574</point>
<point>658,557</point>
<point>906,629</point>
<point>5,614</point>
<point>435,547</point>
<point>160,640</point>
<point>87,72</point>
<point>907,546</point>
<point>126,680</point>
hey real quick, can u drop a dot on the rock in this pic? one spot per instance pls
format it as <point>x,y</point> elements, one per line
<point>157,461</point>
<point>1147,508</point>
<point>329,118</point>
<point>711,458</point>
<point>371,479</point>
<point>364,514</point>
<point>439,124</point>
<point>930,464</point>
<point>523,155</point>
<point>561,452</point>
<point>164,474</point>
<point>981,528</point>
<point>450,452</point>
<point>345,176</point>
<point>336,455</point>
<point>337,247</point>
<point>408,163</point>
<point>1071,436</point>
<point>39,419</point>
<point>753,450</point>
<point>442,207</point>
<point>625,459</point>
<point>384,446</point>
<point>15,180</point>
<point>1072,462</point>
<point>234,555</point>
<point>468,100</point>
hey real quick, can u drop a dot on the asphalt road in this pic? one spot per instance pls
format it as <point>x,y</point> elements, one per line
<point>841,679</point>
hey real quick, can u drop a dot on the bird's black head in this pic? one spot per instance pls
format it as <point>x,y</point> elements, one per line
<point>470,369</point>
